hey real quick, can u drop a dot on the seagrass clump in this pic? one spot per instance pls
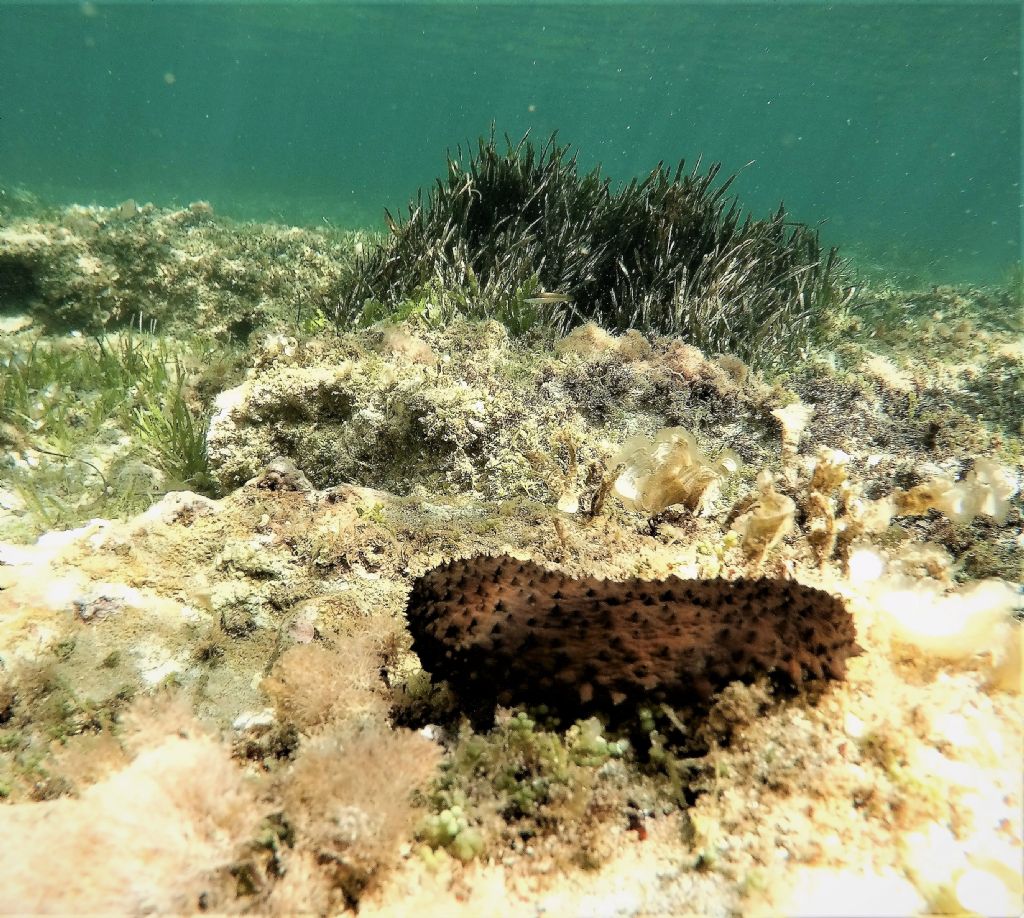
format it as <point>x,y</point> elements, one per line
<point>523,236</point>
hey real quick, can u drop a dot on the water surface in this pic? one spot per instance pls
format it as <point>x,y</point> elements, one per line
<point>899,124</point>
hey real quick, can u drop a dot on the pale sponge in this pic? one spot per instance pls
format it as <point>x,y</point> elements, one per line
<point>973,619</point>
<point>986,489</point>
<point>951,625</point>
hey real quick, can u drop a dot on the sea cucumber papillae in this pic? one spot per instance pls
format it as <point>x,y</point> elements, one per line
<point>498,629</point>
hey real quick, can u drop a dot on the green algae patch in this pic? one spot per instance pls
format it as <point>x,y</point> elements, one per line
<point>100,427</point>
<point>524,780</point>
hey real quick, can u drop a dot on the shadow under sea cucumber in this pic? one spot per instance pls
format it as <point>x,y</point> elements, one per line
<point>512,632</point>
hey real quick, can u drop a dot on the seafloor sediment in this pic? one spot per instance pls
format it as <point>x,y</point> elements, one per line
<point>209,700</point>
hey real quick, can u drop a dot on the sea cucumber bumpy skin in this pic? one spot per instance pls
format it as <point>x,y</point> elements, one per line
<point>510,631</point>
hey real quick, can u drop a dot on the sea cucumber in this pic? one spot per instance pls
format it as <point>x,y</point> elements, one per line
<point>505,631</point>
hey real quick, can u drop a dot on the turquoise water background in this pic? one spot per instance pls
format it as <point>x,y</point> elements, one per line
<point>898,124</point>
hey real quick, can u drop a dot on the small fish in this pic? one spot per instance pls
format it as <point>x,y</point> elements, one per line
<point>547,298</point>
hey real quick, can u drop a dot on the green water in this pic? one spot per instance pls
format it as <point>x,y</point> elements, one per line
<point>898,124</point>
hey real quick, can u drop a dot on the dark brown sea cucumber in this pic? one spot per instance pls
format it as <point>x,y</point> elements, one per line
<point>509,631</point>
